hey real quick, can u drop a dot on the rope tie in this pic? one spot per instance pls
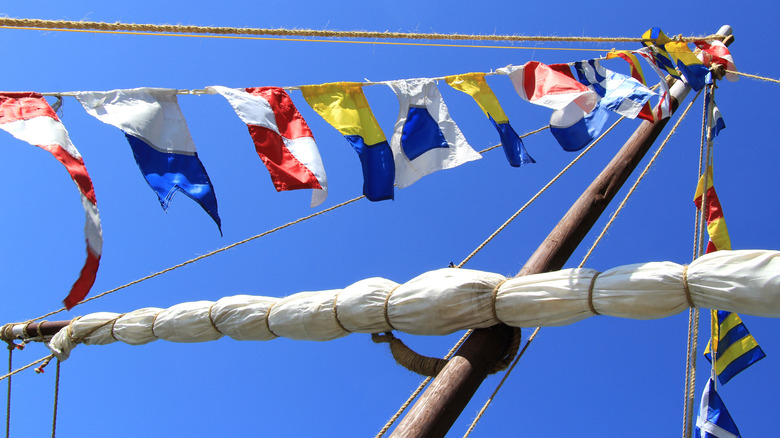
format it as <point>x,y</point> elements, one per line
<point>686,288</point>
<point>113,323</point>
<point>154,321</point>
<point>336,311</point>
<point>590,294</point>
<point>494,297</point>
<point>267,322</point>
<point>384,309</point>
<point>211,319</point>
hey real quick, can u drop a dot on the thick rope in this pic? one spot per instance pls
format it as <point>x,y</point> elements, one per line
<point>539,193</point>
<point>501,383</point>
<point>188,29</point>
<point>49,357</point>
<point>420,387</point>
<point>636,184</point>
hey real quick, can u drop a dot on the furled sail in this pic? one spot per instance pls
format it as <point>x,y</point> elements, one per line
<point>447,300</point>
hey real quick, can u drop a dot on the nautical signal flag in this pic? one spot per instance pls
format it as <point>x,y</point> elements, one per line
<point>282,138</point>
<point>161,143</point>
<point>619,93</point>
<point>714,420</point>
<point>28,117</point>
<point>425,139</point>
<point>474,85</point>
<point>664,108</point>
<point>696,74</point>
<point>542,85</point>
<point>656,40</point>
<point>345,107</point>
<point>715,52</point>
<point>736,349</point>
<point>636,73</point>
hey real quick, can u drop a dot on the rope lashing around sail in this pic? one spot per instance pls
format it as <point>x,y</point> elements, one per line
<point>190,29</point>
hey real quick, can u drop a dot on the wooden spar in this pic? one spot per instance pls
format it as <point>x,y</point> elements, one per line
<point>442,402</point>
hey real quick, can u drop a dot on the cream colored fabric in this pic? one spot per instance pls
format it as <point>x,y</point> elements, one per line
<point>447,300</point>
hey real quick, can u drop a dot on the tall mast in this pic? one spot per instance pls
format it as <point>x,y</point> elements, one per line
<point>448,394</point>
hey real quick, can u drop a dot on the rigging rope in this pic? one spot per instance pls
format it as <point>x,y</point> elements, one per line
<point>762,78</point>
<point>56,399</point>
<point>636,183</point>
<point>11,348</point>
<point>539,193</point>
<point>501,383</point>
<point>25,23</point>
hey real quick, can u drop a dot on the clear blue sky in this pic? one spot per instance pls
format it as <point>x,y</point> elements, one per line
<point>599,377</point>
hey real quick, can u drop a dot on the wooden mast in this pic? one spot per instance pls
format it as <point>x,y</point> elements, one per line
<point>442,402</point>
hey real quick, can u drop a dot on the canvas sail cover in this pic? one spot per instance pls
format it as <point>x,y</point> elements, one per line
<point>447,300</point>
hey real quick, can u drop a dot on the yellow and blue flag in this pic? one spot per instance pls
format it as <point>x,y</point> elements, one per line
<point>474,85</point>
<point>735,347</point>
<point>345,107</point>
<point>657,40</point>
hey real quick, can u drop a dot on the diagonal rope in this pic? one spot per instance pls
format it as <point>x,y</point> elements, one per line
<point>209,254</point>
<point>638,180</point>
<point>539,193</point>
<point>11,373</point>
<point>501,383</point>
<point>761,78</point>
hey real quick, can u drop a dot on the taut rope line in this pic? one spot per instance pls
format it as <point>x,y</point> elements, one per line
<point>188,29</point>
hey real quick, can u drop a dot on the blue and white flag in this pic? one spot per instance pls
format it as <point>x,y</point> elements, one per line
<point>161,142</point>
<point>619,93</point>
<point>714,420</point>
<point>717,120</point>
<point>425,139</point>
<point>624,95</point>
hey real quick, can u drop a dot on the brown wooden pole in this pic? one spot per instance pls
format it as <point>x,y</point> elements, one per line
<point>442,402</point>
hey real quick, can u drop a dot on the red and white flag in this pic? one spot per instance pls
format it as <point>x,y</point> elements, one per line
<point>28,117</point>
<point>282,138</point>
<point>715,52</point>
<point>542,85</point>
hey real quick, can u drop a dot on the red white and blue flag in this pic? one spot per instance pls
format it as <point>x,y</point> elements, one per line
<point>282,138</point>
<point>28,117</point>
